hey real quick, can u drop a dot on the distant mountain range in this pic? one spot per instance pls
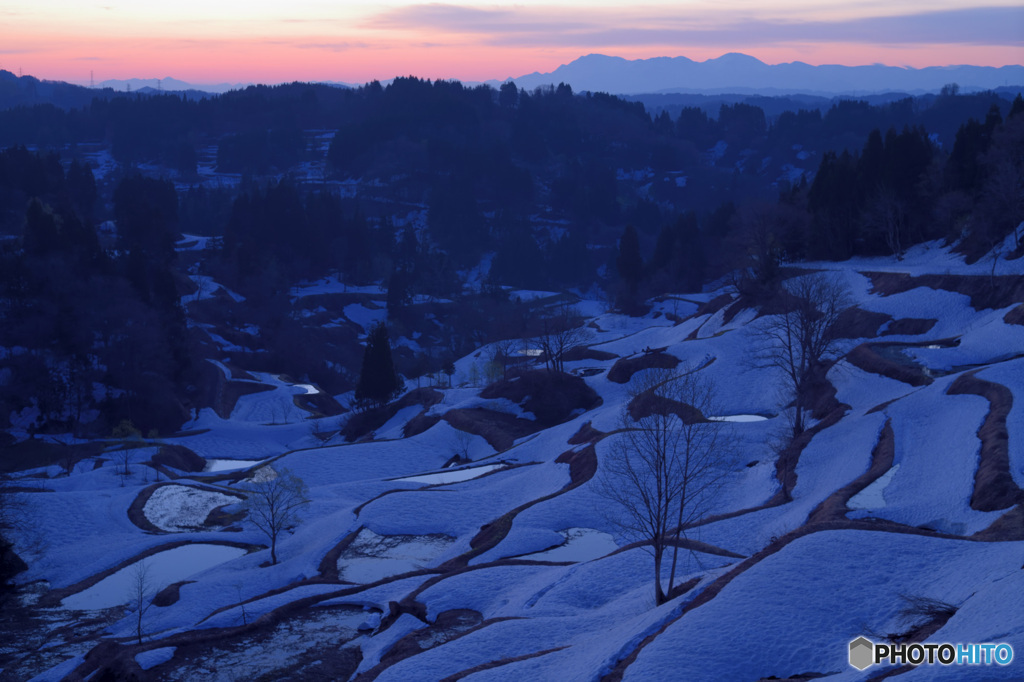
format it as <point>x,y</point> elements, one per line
<point>740,73</point>
<point>167,84</point>
<point>175,85</point>
<point>734,73</point>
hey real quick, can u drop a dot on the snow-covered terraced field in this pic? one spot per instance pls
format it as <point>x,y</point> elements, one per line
<point>521,566</point>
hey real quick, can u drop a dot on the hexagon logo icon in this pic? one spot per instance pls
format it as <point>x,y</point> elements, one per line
<point>862,653</point>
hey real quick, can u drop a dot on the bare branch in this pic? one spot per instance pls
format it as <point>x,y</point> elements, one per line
<point>273,502</point>
<point>802,340</point>
<point>665,467</point>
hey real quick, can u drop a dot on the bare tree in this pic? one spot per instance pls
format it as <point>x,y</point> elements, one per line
<point>663,469</point>
<point>801,341</point>
<point>273,502</point>
<point>503,354</point>
<point>886,215</point>
<point>561,328</point>
<point>241,603</point>
<point>460,443</point>
<point>140,593</point>
<point>130,438</point>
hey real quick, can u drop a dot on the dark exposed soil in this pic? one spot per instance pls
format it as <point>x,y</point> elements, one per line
<point>867,358</point>
<point>910,326</point>
<point>857,323</point>
<point>624,369</point>
<point>586,434</point>
<point>1015,316</point>
<point>499,429</point>
<point>834,507</point>
<point>552,397</point>
<point>994,487</point>
<point>363,423</point>
<point>650,403</point>
<point>170,594</point>
<point>984,292</point>
<point>587,353</point>
<point>419,424</point>
<point>179,457</point>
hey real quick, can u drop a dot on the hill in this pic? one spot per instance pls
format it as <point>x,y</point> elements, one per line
<point>896,515</point>
<point>740,73</point>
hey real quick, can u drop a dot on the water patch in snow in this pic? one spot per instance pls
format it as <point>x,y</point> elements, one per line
<point>180,508</point>
<point>451,476</point>
<point>581,544</point>
<point>873,496</point>
<point>215,465</point>
<point>739,418</point>
<point>372,557</point>
<point>162,569</point>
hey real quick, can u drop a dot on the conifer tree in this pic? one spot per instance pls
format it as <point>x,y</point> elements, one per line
<point>378,381</point>
<point>630,265</point>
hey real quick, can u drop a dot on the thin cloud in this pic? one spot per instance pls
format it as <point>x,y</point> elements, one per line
<point>526,27</point>
<point>461,19</point>
<point>332,47</point>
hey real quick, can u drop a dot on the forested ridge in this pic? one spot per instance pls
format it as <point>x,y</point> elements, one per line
<point>422,186</point>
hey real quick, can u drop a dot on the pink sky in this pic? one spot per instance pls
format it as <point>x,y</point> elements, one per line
<point>269,42</point>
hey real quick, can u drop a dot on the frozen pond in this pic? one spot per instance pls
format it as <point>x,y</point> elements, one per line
<point>873,497</point>
<point>581,544</point>
<point>372,557</point>
<point>162,569</point>
<point>739,418</point>
<point>215,465</point>
<point>178,508</point>
<point>451,476</point>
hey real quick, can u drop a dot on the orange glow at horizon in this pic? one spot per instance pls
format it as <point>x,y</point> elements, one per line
<point>265,42</point>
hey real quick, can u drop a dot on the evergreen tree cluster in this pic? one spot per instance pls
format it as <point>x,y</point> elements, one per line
<point>378,381</point>
<point>92,336</point>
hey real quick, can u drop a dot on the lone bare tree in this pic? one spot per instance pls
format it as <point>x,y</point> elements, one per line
<point>140,593</point>
<point>802,340</point>
<point>273,502</point>
<point>664,467</point>
<point>561,328</point>
<point>130,438</point>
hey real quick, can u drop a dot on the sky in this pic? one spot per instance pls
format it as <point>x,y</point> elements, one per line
<point>258,41</point>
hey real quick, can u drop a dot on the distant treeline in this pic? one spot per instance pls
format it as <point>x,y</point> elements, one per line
<point>545,190</point>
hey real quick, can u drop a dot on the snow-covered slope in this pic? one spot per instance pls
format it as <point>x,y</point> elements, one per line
<point>393,575</point>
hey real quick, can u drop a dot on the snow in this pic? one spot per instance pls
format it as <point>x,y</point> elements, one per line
<point>161,570</point>
<point>218,465</point>
<point>581,544</point>
<point>154,657</point>
<point>364,316</point>
<point>873,496</point>
<point>740,418</point>
<point>791,611</point>
<point>372,557</point>
<point>454,476</point>
<point>177,508</point>
<point>798,618</point>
